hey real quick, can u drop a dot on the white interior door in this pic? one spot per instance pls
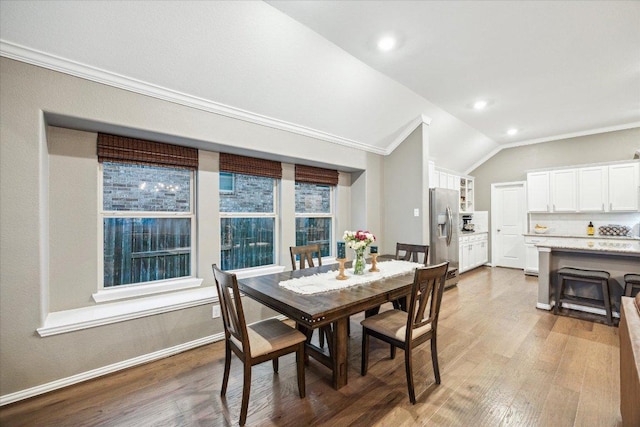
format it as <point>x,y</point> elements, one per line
<point>508,224</point>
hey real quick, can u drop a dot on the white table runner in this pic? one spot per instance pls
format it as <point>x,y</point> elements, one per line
<point>324,282</point>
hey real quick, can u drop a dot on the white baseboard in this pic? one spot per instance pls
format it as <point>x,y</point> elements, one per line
<point>95,373</point>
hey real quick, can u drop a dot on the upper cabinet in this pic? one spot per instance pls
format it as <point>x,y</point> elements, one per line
<point>593,188</point>
<point>564,197</point>
<point>623,187</point>
<point>538,192</point>
<point>466,194</point>
<point>607,188</point>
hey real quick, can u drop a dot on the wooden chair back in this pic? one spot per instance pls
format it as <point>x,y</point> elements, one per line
<point>306,255</point>
<point>409,252</point>
<point>426,297</point>
<point>231,307</point>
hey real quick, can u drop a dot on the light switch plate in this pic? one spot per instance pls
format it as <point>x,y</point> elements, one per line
<point>416,212</point>
<point>216,312</point>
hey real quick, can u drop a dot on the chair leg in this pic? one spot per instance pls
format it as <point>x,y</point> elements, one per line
<point>434,359</point>
<point>275,365</point>
<point>246,388</point>
<point>392,352</point>
<point>409,368</point>
<point>321,337</point>
<point>365,353</point>
<point>300,364</point>
<point>227,367</point>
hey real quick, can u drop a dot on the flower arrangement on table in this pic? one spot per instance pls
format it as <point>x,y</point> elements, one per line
<point>358,241</point>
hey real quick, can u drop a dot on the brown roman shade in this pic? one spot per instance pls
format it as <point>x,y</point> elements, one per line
<point>250,166</point>
<point>314,175</point>
<point>113,148</point>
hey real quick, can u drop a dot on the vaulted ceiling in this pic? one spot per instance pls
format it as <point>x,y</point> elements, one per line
<point>549,69</point>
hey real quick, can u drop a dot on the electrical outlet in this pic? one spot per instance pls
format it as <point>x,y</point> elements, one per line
<point>216,311</point>
<point>416,212</point>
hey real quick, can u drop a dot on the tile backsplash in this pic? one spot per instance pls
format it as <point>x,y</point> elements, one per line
<point>575,224</point>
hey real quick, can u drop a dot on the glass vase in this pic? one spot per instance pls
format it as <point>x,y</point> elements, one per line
<point>359,263</point>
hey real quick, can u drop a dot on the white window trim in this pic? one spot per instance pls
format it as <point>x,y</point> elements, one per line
<point>260,269</point>
<point>144,288</point>
<point>60,322</point>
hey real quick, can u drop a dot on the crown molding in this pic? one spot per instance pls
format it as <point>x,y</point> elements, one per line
<point>549,139</point>
<point>406,132</point>
<point>87,72</point>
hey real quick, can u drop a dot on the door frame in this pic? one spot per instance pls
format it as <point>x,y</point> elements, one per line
<point>494,236</point>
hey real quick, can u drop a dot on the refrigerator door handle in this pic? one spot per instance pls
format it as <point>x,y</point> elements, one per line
<point>450,221</point>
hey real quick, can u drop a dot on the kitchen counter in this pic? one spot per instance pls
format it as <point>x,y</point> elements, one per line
<point>581,236</point>
<point>617,256</point>
<point>593,245</point>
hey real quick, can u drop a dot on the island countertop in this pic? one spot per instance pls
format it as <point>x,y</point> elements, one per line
<point>631,247</point>
<point>581,236</point>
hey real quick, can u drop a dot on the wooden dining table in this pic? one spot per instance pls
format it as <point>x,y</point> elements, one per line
<point>331,308</point>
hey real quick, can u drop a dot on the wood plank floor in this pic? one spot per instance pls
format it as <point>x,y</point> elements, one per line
<point>502,361</point>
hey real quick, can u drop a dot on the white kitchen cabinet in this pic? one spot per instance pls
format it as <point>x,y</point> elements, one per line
<point>531,254</point>
<point>593,189</point>
<point>623,187</point>
<point>466,195</point>
<point>474,251</point>
<point>564,196</point>
<point>483,251</point>
<point>602,188</point>
<point>538,190</point>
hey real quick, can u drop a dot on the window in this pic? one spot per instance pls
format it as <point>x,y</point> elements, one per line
<point>247,224</point>
<point>147,214</point>
<point>227,184</point>
<point>314,195</point>
<point>248,215</point>
<point>314,216</point>
<point>147,220</point>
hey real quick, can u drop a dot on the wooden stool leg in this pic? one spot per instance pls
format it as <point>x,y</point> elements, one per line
<point>559,290</point>
<point>607,301</point>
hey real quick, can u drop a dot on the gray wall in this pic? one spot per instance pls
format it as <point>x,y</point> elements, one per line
<point>48,191</point>
<point>511,164</point>
<point>405,189</point>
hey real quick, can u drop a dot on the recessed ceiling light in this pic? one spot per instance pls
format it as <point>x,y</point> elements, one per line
<point>480,104</point>
<point>386,43</point>
<point>512,131</point>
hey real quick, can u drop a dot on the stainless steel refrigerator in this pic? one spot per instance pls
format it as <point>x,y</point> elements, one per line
<point>444,230</point>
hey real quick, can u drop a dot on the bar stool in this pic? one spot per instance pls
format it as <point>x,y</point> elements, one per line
<point>632,283</point>
<point>596,277</point>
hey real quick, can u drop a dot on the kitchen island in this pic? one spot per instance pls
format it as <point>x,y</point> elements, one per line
<point>617,256</point>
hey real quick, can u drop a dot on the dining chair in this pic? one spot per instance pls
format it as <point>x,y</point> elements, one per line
<point>409,252</point>
<point>409,329</point>
<point>306,254</point>
<point>254,343</point>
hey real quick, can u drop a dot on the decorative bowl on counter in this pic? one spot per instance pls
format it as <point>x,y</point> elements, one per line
<point>540,229</point>
<point>614,230</point>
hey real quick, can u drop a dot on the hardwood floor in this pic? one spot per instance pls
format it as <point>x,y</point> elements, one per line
<point>502,362</point>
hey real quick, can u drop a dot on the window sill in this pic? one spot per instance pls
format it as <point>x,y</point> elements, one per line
<point>257,271</point>
<point>61,322</point>
<point>329,260</point>
<point>119,293</point>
